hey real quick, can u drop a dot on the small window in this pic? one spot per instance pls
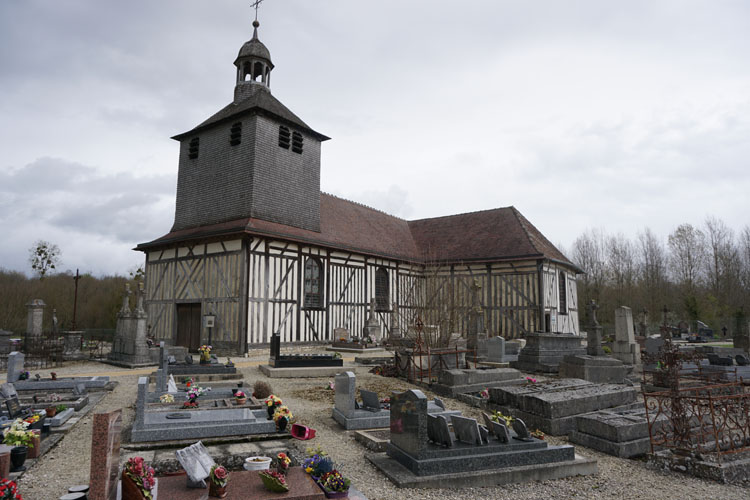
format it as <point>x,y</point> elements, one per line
<point>235,134</point>
<point>193,148</point>
<point>284,137</point>
<point>297,142</point>
<point>381,289</point>
<point>313,284</point>
<point>563,294</point>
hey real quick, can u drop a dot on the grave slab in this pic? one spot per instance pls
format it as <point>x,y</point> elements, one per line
<point>304,372</point>
<point>462,381</point>
<point>544,351</point>
<point>597,369</point>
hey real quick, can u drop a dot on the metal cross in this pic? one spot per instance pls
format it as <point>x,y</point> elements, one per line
<point>256,4</point>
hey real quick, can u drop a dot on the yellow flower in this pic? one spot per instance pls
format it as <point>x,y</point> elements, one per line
<point>308,470</point>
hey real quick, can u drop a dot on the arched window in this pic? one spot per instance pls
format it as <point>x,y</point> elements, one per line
<point>563,294</point>
<point>382,302</point>
<point>313,284</point>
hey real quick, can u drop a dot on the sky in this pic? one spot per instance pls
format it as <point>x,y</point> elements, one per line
<point>581,114</point>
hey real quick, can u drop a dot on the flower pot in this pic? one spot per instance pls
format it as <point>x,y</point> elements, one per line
<point>36,439</point>
<point>131,490</point>
<point>51,412</point>
<point>332,494</point>
<point>302,432</point>
<point>241,401</point>
<point>281,424</point>
<point>216,491</point>
<point>18,457</point>
<point>252,464</point>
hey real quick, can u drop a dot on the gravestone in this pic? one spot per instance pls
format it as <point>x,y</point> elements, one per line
<point>370,400</point>
<point>15,366</point>
<point>14,407</point>
<point>275,347</point>
<point>594,335</point>
<point>438,431</point>
<point>197,464</point>
<point>372,328</point>
<point>409,422</point>
<point>35,318</point>
<point>625,348</point>
<point>340,334</point>
<point>653,345</point>
<point>345,384</point>
<point>105,446</point>
<point>161,380</point>
<point>395,332</point>
<point>496,350</point>
<point>130,345</point>
<point>466,430</point>
<point>79,389</point>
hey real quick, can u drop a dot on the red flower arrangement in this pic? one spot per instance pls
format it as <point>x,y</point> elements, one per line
<point>141,474</point>
<point>9,490</point>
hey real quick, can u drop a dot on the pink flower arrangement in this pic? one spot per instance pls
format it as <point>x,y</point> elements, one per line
<point>531,380</point>
<point>484,394</point>
<point>141,474</point>
<point>219,475</point>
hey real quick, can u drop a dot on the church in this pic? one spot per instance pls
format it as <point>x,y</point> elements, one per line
<point>256,248</point>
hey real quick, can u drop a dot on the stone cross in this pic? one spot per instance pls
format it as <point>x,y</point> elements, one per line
<point>594,334</point>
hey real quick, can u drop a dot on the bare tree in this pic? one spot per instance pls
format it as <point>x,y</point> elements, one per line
<point>687,256</point>
<point>44,257</point>
<point>652,269</point>
<point>589,253</point>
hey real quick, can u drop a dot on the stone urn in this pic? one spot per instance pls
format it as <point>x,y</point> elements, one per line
<point>18,457</point>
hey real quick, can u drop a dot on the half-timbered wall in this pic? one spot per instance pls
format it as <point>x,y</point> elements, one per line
<point>562,321</point>
<point>507,293</point>
<point>210,274</point>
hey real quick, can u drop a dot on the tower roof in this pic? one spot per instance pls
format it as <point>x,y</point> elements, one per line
<point>254,48</point>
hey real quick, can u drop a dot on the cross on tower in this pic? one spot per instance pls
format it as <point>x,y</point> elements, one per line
<point>256,4</point>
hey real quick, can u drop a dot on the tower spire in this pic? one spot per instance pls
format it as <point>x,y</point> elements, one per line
<point>253,63</point>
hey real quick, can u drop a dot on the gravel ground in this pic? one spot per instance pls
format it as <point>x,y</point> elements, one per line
<point>68,463</point>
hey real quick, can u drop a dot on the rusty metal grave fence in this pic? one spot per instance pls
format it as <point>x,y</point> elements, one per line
<point>420,363</point>
<point>711,420</point>
<point>40,351</point>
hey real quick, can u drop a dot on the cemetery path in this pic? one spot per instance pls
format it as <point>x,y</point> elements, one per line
<point>69,462</point>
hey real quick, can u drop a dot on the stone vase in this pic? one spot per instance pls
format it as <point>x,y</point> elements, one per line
<point>281,424</point>
<point>18,457</point>
<point>216,491</point>
<point>271,410</point>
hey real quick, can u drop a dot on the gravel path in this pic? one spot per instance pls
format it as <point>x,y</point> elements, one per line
<point>68,463</point>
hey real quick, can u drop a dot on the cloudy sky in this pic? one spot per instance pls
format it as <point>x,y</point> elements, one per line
<point>582,114</point>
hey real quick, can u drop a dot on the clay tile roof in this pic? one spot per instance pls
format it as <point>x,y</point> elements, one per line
<point>489,235</point>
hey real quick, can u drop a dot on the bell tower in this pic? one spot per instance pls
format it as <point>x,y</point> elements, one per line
<point>253,66</point>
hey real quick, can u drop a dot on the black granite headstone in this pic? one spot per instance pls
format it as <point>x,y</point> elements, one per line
<point>370,400</point>
<point>14,407</point>
<point>275,345</point>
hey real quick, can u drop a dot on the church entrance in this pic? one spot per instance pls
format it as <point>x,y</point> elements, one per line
<point>189,326</point>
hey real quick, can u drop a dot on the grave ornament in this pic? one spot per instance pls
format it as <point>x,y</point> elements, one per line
<point>522,433</point>
<point>197,464</point>
<point>370,400</point>
<point>438,431</point>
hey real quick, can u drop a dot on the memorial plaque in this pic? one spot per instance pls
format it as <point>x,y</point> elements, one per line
<point>14,407</point>
<point>466,430</point>
<point>105,446</point>
<point>370,400</point>
<point>197,464</point>
<point>8,390</point>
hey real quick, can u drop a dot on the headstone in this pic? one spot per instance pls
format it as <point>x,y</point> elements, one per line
<point>625,348</point>
<point>500,430</point>
<point>35,318</point>
<point>370,400</point>
<point>717,360</point>
<point>105,446</point>
<point>340,334</point>
<point>466,430</point>
<point>171,385</point>
<point>197,464</point>
<point>496,349</point>
<point>522,433</point>
<point>345,393</point>
<point>8,390</point>
<point>275,346</point>
<point>79,389</point>
<point>140,401</point>
<point>15,366</point>
<point>395,332</point>
<point>130,345</point>
<point>438,431</point>
<point>409,422</point>
<point>653,344</point>
<point>14,407</point>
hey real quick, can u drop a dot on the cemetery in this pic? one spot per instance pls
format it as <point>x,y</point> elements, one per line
<point>287,343</point>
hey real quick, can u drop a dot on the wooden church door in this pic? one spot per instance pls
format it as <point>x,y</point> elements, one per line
<point>189,326</point>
